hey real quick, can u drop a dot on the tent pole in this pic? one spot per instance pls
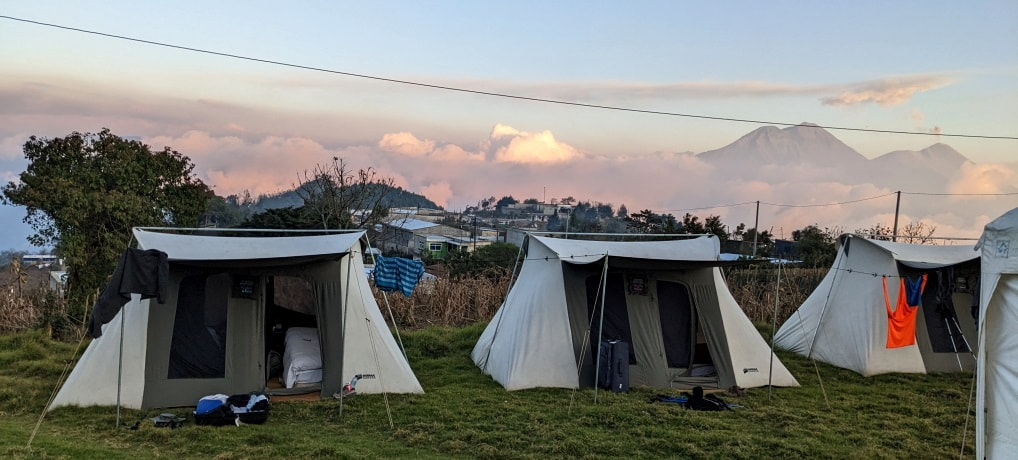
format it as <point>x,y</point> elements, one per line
<point>963,339</point>
<point>120,354</point>
<point>600,326</point>
<point>583,349</point>
<point>381,383</point>
<point>953,345</point>
<point>498,323</point>
<point>387,306</point>
<point>774,327</point>
<point>756,227</point>
<point>346,315</point>
<point>120,362</point>
<point>827,301</point>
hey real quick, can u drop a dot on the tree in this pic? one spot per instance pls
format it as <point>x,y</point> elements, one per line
<point>282,218</point>
<point>917,233</point>
<point>505,201</point>
<point>764,241</point>
<point>224,212</point>
<point>876,232</point>
<point>913,232</point>
<point>646,221</point>
<point>332,194</point>
<point>816,247</point>
<point>713,225</point>
<point>84,193</point>
<point>494,260</point>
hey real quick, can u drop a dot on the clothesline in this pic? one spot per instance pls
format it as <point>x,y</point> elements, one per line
<point>571,256</point>
<point>849,270</point>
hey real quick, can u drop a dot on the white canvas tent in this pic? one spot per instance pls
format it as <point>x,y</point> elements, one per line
<point>844,321</point>
<point>214,330</point>
<point>997,369</point>
<point>668,299</point>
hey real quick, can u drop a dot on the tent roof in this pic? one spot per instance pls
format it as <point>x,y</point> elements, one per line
<point>996,241</point>
<point>180,247</point>
<point>922,255</point>
<point>701,249</point>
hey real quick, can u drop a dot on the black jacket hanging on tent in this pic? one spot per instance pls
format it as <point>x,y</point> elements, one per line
<point>145,272</point>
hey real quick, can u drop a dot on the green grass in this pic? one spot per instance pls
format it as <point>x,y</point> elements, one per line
<point>464,414</point>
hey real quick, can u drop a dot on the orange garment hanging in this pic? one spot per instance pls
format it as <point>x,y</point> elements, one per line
<point>901,321</point>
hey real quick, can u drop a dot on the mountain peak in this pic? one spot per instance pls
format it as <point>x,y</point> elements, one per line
<point>940,155</point>
<point>805,143</point>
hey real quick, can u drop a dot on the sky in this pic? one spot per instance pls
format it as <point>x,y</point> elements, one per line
<point>927,66</point>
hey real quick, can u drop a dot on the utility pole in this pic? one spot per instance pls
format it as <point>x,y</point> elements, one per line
<point>475,233</point>
<point>756,227</point>
<point>897,207</point>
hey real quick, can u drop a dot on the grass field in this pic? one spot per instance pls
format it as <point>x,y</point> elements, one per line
<point>464,414</point>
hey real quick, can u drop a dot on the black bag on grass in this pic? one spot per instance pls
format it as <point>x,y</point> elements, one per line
<point>219,409</point>
<point>697,401</point>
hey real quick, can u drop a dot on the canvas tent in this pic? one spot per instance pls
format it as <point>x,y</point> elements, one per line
<point>997,369</point>
<point>229,300</point>
<point>844,322</point>
<point>667,299</point>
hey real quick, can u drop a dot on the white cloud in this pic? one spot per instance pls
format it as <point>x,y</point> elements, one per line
<point>887,92</point>
<point>406,144</point>
<point>984,178</point>
<point>508,145</point>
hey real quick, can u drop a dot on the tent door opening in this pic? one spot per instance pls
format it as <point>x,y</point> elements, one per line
<point>659,320</point>
<point>686,350</point>
<point>292,350</point>
<point>616,313</point>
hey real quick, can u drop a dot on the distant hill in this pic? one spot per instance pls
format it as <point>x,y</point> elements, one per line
<point>394,197</point>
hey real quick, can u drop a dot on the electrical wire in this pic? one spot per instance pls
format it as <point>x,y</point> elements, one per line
<point>827,204</point>
<point>959,194</point>
<point>710,207</point>
<point>497,94</point>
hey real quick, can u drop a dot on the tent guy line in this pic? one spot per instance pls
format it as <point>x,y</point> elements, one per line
<point>497,94</point>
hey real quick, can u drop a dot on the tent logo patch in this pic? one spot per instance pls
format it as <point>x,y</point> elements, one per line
<point>1002,248</point>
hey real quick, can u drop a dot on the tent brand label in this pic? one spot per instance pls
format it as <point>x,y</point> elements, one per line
<point>1002,248</point>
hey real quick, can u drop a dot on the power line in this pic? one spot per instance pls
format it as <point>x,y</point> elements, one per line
<point>959,194</point>
<point>710,207</point>
<point>826,204</point>
<point>502,95</point>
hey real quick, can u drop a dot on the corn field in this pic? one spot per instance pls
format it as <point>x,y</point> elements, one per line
<point>445,301</point>
<point>448,302</point>
<point>757,290</point>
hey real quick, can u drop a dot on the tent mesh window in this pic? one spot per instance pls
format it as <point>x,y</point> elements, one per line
<point>943,322</point>
<point>198,346</point>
